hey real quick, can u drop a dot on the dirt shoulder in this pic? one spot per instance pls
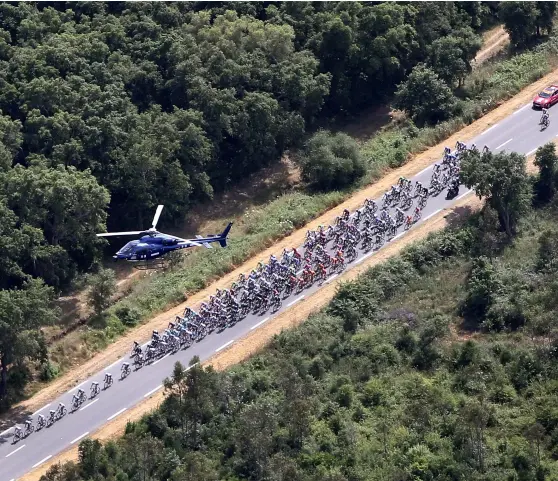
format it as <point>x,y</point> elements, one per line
<point>142,333</point>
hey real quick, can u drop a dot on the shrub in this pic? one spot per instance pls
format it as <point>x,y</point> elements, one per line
<point>48,371</point>
<point>129,316</point>
<point>331,161</point>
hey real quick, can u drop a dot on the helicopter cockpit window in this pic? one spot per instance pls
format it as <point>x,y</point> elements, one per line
<point>128,248</point>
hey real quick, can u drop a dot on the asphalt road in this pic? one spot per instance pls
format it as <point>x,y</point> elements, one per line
<point>519,132</point>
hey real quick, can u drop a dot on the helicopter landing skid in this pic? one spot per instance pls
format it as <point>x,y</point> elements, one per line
<point>150,264</point>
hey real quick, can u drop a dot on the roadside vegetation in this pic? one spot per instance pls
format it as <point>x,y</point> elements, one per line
<point>438,364</point>
<point>80,133</point>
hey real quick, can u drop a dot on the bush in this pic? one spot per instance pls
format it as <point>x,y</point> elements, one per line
<point>129,316</point>
<point>48,371</point>
<point>331,161</point>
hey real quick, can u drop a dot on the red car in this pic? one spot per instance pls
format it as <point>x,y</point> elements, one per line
<point>546,98</point>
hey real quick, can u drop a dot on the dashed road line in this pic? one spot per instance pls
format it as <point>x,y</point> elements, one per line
<point>5,432</point>
<point>295,301</point>
<point>259,324</point>
<point>159,360</point>
<point>79,437</point>
<point>42,461</point>
<point>153,391</point>
<point>16,450</point>
<point>90,404</point>
<point>506,142</point>
<point>118,413</point>
<point>39,410</point>
<point>224,345</point>
<point>431,215</point>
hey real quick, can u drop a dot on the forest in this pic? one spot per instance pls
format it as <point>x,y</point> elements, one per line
<point>439,364</point>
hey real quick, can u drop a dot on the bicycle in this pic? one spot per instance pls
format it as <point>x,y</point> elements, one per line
<point>125,370</point>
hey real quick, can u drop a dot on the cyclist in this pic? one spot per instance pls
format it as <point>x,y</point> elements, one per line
<point>61,408</point>
<point>108,379</point>
<point>28,427</point>
<point>545,117</point>
<point>94,388</point>
<point>41,421</point>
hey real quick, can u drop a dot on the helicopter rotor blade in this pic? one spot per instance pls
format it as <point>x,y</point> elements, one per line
<point>157,215</point>
<point>190,241</point>
<point>109,234</point>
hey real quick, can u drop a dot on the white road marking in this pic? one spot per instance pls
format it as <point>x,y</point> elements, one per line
<point>399,235</point>
<point>506,142</point>
<point>464,194</point>
<point>90,404</point>
<point>79,437</point>
<point>190,367</point>
<point>225,345</point>
<point>531,151</point>
<point>42,461</point>
<point>424,170</point>
<point>159,360</point>
<point>78,386</point>
<point>259,324</point>
<point>524,107</point>
<point>431,215</point>
<point>116,414</point>
<point>295,301</point>
<point>113,364</point>
<point>38,411</point>
<point>331,278</point>
<point>15,451</point>
<point>153,391</point>
<point>489,129</point>
<point>364,257</point>
<point>5,432</point>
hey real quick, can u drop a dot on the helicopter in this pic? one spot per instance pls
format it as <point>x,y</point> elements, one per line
<point>152,245</point>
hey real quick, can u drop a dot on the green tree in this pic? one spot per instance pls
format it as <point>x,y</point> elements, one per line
<point>525,20</point>
<point>425,96</point>
<point>450,57</point>
<point>22,313</point>
<point>331,161</point>
<point>102,287</point>
<point>502,179</point>
<point>546,160</point>
<point>482,287</point>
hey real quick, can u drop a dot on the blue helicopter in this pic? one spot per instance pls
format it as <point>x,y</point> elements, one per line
<point>153,244</point>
